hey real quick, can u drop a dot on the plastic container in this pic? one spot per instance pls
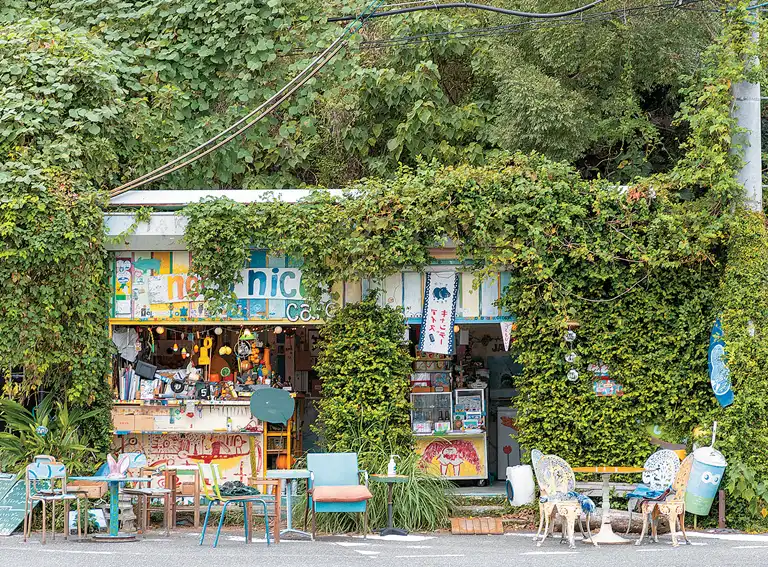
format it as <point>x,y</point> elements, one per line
<point>520,485</point>
<point>706,474</point>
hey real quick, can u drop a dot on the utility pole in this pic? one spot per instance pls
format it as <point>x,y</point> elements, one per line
<point>746,111</point>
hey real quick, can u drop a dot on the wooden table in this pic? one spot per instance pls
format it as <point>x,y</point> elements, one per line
<point>606,535</point>
<point>391,480</point>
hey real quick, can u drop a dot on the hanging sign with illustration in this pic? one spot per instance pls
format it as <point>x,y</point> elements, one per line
<point>506,332</point>
<point>719,375</point>
<point>439,313</point>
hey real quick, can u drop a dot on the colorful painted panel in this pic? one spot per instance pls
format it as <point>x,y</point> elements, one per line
<point>230,451</point>
<point>453,457</point>
<point>150,285</point>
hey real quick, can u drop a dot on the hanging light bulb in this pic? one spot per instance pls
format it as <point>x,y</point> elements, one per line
<point>278,329</point>
<point>456,328</point>
<point>227,349</point>
<point>223,351</point>
<point>218,330</point>
<point>160,330</point>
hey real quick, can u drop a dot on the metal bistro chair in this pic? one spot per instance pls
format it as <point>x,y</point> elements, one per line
<point>40,480</point>
<point>672,506</point>
<point>557,484</point>
<point>210,480</point>
<point>660,472</point>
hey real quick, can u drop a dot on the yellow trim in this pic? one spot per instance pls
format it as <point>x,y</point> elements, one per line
<point>201,322</point>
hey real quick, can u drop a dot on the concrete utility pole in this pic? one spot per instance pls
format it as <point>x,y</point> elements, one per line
<point>746,110</point>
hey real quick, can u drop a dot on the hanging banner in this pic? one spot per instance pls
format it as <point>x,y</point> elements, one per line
<point>719,375</point>
<point>506,332</point>
<point>439,313</point>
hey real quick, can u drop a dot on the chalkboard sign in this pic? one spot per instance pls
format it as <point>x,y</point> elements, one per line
<point>12,496</point>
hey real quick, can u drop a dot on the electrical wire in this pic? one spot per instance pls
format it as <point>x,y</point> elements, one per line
<point>474,7</point>
<point>272,103</point>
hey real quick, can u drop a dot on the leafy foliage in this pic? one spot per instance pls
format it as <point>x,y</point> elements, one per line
<point>52,429</point>
<point>60,102</point>
<point>365,372</point>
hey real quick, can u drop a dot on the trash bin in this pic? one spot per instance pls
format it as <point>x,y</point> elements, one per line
<point>519,485</point>
<point>706,474</point>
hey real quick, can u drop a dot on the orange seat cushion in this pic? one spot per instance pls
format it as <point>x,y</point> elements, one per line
<point>341,493</point>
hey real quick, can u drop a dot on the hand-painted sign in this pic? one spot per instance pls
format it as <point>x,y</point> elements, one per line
<point>719,375</point>
<point>12,497</point>
<point>439,314</point>
<point>270,283</point>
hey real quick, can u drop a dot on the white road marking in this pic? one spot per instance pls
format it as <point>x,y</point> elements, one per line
<point>550,553</point>
<point>749,547</point>
<point>420,556</point>
<point>350,544</point>
<point>418,547</point>
<point>75,551</point>
<point>730,537</point>
<point>366,552</point>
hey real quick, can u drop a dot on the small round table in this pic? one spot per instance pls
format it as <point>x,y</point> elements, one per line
<point>114,508</point>
<point>391,481</point>
<point>606,535</point>
<point>290,490</point>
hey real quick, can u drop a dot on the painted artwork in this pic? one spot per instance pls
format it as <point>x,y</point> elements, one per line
<point>230,452</point>
<point>453,458</point>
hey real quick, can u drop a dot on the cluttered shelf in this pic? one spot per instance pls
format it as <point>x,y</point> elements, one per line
<point>187,431</point>
<point>476,432</point>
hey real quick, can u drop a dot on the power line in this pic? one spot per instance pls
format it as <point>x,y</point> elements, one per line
<point>474,7</point>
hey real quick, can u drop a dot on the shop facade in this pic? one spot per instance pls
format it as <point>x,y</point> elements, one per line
<point>194,406</point>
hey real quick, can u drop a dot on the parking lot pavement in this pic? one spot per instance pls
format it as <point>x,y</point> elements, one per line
<point>707,550</point>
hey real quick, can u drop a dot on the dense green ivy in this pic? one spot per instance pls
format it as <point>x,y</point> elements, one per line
<point>644,270</point>
<point>365,370</point>
<point>59,123</point>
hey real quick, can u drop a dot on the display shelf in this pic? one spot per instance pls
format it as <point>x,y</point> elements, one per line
<point>178,402</point>
<point>472,433</point>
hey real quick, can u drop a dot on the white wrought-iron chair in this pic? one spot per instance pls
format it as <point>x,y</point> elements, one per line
<point>660,472</point>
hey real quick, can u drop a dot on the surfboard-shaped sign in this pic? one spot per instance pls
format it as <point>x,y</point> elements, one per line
<point>719,375</point>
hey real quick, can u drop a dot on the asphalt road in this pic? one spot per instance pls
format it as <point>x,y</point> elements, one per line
<point>438,551</point>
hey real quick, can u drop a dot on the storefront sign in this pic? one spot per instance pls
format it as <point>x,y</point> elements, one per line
<point>439,314</point>
<point>270,283</point>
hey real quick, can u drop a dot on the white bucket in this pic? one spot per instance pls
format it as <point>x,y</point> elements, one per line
<point>520,485</point>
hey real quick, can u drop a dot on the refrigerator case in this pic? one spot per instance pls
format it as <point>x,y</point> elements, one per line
<point>431,411</point>
<point>507,448</point>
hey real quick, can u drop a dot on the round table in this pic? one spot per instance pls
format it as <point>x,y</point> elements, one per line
<point>114,508</point>
<point>290,490</point>
<point>606,535</point>
<point>391,481</point>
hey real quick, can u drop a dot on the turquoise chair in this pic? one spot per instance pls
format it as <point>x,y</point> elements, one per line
<point>334,486</point>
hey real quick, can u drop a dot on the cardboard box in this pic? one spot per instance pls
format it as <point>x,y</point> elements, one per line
<point>123,421</point>
<point>144,422</point>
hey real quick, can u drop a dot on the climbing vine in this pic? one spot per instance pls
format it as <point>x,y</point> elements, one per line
<point>640,272</point>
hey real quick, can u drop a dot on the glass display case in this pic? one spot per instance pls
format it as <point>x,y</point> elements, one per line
<point>432,412</point>
<point>469,409</point>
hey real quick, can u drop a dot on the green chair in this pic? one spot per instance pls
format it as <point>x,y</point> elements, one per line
<point>210,480</point>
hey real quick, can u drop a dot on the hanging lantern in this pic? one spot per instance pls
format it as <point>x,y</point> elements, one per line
<point>278,329</point>
<point>223,351</point>
<point>227,349</point>
<point>175,347</point>
<point>196,348</point>
<point>184,353</point>
<point>572,375</point>
<point>570,336</point>
<point>160,330</point>
<point>218,330</point>
<point>456,328</point>
<point>570,357</point>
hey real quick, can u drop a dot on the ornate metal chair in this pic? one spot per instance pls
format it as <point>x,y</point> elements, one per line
<point>672,507</point>
<point>660,472</point>
<point>557,484</point>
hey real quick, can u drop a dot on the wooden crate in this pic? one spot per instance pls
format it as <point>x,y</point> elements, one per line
<point>465,526</point>
<point>91,490</point>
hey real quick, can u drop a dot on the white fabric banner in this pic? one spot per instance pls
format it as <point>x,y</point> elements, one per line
<point>506,332</point>
<point>439,313</point>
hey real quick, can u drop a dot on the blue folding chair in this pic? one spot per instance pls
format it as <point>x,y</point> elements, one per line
<point>334,486</point>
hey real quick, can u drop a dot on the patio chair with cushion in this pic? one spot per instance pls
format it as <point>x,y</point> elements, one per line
<point>334,486</point>
<point>672,506</point>
<point>660,472</point>
<point>557,485</point>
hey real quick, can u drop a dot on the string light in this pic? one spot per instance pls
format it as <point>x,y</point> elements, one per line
<point>160,330</point>
<point>278,329</point>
